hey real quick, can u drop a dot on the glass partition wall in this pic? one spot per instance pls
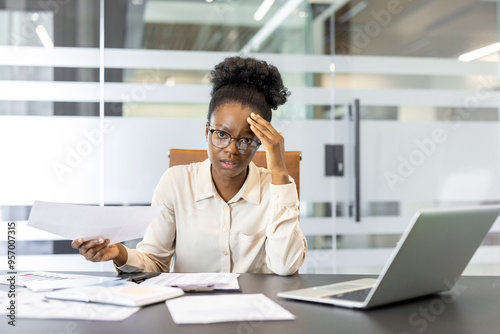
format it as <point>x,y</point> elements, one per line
<point>424,121</point>
<point>388,120</point>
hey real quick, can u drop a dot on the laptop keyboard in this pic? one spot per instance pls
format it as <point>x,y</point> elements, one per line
<point>357,295</point>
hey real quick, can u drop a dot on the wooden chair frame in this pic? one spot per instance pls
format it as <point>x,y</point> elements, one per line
<point>292,160</point>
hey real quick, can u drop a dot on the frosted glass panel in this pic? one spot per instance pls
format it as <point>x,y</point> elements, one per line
<point>136,154</point>
<point>430,161</point>
<point>46,158</point>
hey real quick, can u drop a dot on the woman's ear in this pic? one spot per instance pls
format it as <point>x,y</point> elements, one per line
<point>206,131</point>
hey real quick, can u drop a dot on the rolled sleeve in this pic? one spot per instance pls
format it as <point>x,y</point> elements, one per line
<point>286,246</point>
<point>138,261</point>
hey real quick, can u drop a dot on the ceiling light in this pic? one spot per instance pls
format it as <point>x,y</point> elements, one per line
<point>44,37</point>
<point>170,81</point>
<point>281,14</point>
<point>262,10</point>
<point>481,52</point>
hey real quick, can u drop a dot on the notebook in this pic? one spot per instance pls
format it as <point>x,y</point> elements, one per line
<point>118,293</point>
<point>429,258</point>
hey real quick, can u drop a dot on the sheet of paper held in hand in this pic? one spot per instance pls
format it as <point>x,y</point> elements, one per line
<point>117,223</point>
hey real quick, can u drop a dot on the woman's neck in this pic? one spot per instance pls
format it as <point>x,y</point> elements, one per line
<point>228,187</point>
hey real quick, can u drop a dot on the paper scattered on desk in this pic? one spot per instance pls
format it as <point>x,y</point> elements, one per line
<point>117,223</point>
<point>217,281</point>
<point>66,284</point>
<point>207,309</point>
<point>34,306</point>
<point>22,278</point>
<point>47,281</point>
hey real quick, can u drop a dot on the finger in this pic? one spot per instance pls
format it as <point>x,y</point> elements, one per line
<point>99,253</point>
<point>264,126</point>
<point>95,253</point>
<point>258,120</point>
<point>105,254</point>
<point>263,132</point>
<point>90,244</point>
<point>77,243</point>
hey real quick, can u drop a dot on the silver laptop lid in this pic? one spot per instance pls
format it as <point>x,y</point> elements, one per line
<point>432,253</point>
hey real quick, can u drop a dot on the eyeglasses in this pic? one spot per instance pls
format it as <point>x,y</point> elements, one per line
<point>245,146</point>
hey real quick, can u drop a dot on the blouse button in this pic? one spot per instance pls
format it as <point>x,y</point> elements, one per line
<point>225,253</point>
<point>224,229</point>
<point>276,196</point>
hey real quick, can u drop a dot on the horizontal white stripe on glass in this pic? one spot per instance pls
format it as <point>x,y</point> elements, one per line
<point>367,226</point>
<point>55,57</point>
<point>159,93</point>
<point>59,91</point>
<point>379,256</point>
<point>199,60</point>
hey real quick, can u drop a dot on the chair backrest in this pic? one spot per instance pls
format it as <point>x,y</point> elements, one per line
<point>292,160</point>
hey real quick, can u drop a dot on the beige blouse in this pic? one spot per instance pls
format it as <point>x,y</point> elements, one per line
<point>256,231</point>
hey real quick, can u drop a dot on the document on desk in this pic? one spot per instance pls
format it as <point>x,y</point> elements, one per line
<point>121,293</point>
<point>207,309</point>
<point>197,281</point>
<point>117,223</point>
<point>34,305</point>
<point>47,281</point>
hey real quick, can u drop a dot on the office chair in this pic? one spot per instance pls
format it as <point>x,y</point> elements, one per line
<point>292,160</point>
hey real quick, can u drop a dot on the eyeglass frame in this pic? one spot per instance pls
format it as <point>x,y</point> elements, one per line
<point>231,139</point>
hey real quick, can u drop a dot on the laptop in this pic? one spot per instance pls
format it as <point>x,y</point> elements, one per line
<point>429,258</point>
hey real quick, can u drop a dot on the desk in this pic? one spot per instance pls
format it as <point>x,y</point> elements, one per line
<point>474,310</point>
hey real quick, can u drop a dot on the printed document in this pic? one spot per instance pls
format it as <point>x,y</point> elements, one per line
<point>34,305</point>
<point>121,293</point>
<point>197,281</point>
<point>207,309</point>
<point>117,223</point>
<point>47,281</point>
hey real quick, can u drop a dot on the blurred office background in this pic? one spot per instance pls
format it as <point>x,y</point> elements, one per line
<point>94,93</point>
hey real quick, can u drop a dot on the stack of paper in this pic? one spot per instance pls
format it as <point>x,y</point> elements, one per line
<point>197,281</point>
<point>34,305</point>
<point>95,302</point>
<point>118,293</point>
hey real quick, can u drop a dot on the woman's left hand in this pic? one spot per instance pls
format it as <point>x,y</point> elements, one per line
<point>274,145</point>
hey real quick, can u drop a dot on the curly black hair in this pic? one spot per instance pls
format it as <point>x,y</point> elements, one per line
<point>251,82</point>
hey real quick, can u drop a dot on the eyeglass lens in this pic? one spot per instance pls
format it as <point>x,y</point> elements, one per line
<point>221,139</point>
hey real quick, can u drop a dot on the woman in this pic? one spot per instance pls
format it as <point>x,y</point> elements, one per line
<point>224,214</point>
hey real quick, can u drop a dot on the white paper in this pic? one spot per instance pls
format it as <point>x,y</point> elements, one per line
<point>22,278</point>
<point>117,223</point>
<point>217,281</point>
<point>47,281</point>
<point>66,284</point>
<point>121,293</point>
<point>225,308</point>
<point>33,305</point>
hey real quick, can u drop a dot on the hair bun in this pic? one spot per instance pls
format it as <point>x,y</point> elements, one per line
<point>248,71</point>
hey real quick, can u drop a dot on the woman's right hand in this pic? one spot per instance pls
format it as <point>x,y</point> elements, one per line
<point>97,250</point>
